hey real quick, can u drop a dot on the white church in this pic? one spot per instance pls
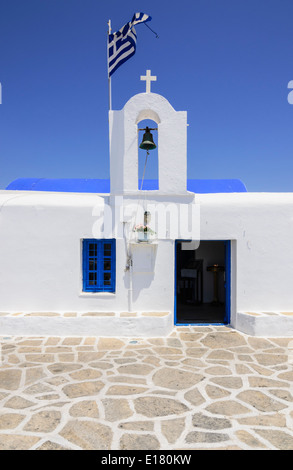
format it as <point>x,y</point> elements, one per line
<point>135,257</point>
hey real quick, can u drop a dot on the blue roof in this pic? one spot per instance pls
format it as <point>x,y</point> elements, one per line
<point>83,185</point>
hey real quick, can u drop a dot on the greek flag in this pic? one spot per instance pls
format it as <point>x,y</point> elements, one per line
<point>122,44</point>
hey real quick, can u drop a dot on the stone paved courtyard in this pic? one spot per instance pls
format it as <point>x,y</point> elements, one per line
<point>200,388</point>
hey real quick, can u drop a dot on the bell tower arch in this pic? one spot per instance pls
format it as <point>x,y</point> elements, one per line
<point>172,144</point>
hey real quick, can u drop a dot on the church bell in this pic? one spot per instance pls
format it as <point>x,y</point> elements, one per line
<point>147,140</point>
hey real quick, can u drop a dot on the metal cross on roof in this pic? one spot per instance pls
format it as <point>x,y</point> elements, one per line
<point>148,78</point>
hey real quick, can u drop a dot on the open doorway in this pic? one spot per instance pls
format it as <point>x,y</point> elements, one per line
<point>202,282</point>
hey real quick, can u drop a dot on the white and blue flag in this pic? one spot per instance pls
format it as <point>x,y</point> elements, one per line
<point>122,44</point>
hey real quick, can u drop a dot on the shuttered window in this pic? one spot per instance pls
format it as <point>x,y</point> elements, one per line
<point>99,265</point>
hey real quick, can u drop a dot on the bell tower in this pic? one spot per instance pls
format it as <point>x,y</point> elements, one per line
<point>172,143</point>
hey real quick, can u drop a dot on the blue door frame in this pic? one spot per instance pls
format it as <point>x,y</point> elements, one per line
<point>227,283</point>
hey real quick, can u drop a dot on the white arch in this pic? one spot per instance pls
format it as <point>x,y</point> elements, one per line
<point>152,105</point>
<point>148,114</point>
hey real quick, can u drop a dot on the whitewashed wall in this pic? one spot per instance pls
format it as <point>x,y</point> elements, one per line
<point>260,226</point>
<point>40,254</point>
<point>41,260</point>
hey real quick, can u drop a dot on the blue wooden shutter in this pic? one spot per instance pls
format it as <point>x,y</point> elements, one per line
<point>99,265</point>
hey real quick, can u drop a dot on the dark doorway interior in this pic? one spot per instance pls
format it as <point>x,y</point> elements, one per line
<point>201,283</point>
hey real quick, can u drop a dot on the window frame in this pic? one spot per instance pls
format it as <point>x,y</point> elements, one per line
<point>95,254</point>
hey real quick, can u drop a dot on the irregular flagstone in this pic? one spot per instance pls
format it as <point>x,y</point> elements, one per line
<point>127,379</point>
<point>30,342</point>
<point>40,358</point>
<point>85,408</point>
<point>125,390</point>
<point>89,356</point>
<point>136,369</point>
<point>280,439</point>
<point>261,370</point>
<point>61,368</point>
<point>157,406</point>
<point>49,445</point>
<point>194,397</point>
<point>137,426</point>
<point>37,388</point>
<point>88,435</point>
<point>33,374</point>
<point>227,408</point>
<point>174,342</point>
<point>196,352</point>
<point>287,376</point>
<point>225,340</point>
<point>116,409</point>
<point>172,429</point>
<point>18,403</point>
<point>10,379</point>
<point>155,361</point>
<point>278,420</point>
<point>43,421</point>
<point>109,344</point>
<point>221,354</point>
<point>51,396</point>
<point>241,369</point>
<point>193,363</point>
<point>260,401</point>
<point>199,420</point>
<point>228,382</point>
<point>218,370</point>
<point>190,336</point>
<point>137,393</point>
<point>102,365</point>
<point>72,341</point>
<point>125,360</point>
<point>249,440</point>
<point>205,437</point>
<point>10,420</point>
<point>83,389</point>
<point>216,392</point>
<point>162,392</point>
<point>256,382</point>
<point>17,442</point>
<point>271,359</point>
<point>139,442</point>
<point>58,380</point>
<point>85,374</point>
<point>259,343</point>
<point>282,394</point>
<point>166,351</point>
<point>176,379</point>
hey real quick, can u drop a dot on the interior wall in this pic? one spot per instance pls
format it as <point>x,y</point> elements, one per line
<point>212,252</point>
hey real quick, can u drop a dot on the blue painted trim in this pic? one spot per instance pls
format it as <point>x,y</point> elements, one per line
<point>227,282</point>
<point>175,283</point>
<point>102,186</point>
<point>98,259</point>
<point>199,324</point>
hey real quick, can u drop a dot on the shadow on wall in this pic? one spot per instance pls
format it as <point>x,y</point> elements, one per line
<point>142,274</point>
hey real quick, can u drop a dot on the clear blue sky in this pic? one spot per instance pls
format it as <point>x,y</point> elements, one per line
<point>226,62</point>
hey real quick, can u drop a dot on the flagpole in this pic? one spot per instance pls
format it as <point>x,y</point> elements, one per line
<point>109,78</point>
